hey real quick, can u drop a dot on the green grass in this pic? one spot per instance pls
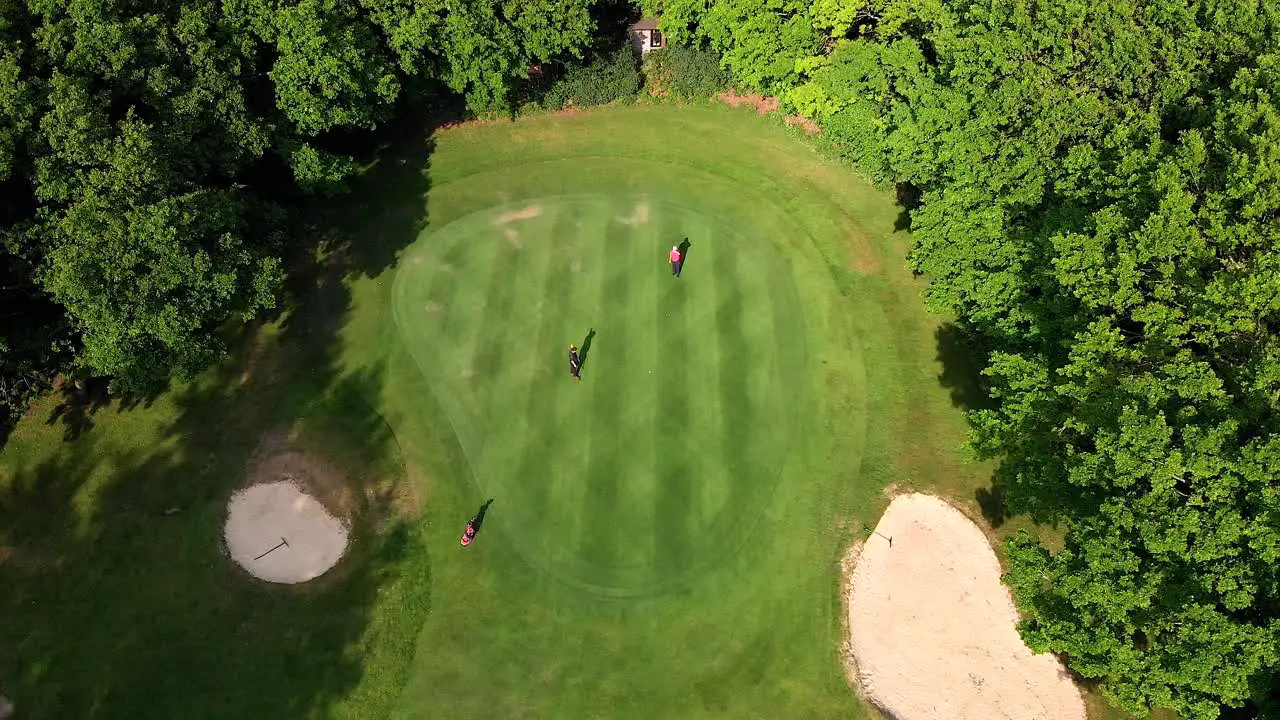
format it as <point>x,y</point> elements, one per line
<point>665,536</point>
<point>665,533</point>
<point>650,472</point>
<point>118,602</point>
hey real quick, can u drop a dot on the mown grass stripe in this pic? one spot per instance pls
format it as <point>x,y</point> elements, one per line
<point>786,330</point>
<point>504,399</point>
<point>628,322</point>
<point>544,432</point>
<point>737,450</point>
<point>707,354</point>
<point>463,262</point>
<point>602,523</point>
<point>489,319</point>
<point>760,272</point>
<point>524,354</point>
<point>580,248</point>
<point>445,309</point>
<point>674,451</point>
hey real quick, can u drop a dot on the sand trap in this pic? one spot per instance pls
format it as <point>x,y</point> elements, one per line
<point>281,534</point>
<point>933,632</point>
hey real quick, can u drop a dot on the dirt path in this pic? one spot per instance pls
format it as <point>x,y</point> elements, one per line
<point>933,632</point>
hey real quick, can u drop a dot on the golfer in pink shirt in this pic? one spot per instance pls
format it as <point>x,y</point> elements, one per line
<point>676,260</point>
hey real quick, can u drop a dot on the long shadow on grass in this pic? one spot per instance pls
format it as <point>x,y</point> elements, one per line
<point>117,598</point>
<point>125,607</point>
<point>333,239</point>
<point>908,197</point>
<point>964,357</point>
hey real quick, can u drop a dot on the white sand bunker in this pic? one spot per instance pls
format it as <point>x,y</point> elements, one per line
<point>281,534</point>
<point>933,632</point>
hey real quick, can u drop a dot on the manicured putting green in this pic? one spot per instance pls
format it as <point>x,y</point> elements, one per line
<point>666,533</point>
<point>650,469</point>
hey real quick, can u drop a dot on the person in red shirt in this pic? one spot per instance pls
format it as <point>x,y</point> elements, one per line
<point>677,259</point>
<point>473,526</point>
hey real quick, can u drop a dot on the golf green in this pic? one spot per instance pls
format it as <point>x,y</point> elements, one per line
<point>653,467</point>
<point>666,533</point>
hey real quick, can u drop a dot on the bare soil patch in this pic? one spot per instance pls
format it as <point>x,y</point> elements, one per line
<point>762,103</point>
<point>765,104</point>
<point>263,359</point>
<point>862,256</point>
<point>279,461</point>
<point>526,213</point>
<point>513,237</point>
<point>639,215</point>
<point>932,632</point>
<point>804,123</point>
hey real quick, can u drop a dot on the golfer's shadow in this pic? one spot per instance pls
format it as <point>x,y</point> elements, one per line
<point>478,520</point>
<point>684,252</point>
<point>586,347</point>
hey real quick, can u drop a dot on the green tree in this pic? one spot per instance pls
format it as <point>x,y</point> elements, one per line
<point>1157,435</point>
<point>139,142</point>
<point>149,287</point>
<point>331,70</point>
<point>760,42</point>
<point>488,46</point>
<point>610,78</point>
<point>685,72</point>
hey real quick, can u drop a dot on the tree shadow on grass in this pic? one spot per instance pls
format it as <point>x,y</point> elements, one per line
<point>79,400</point>
<point>119,602</point>
<point>359,234</point>
<point>118,599</point>
<point>963,358</point>
<point>908,197</point>
<point>992,501</point>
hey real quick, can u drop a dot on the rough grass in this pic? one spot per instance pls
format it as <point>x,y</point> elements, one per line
<point>660,546</point>
<point>118,601</point>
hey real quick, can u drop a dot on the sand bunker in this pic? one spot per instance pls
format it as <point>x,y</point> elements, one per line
<point>933,632</point>
<point>281,534</point>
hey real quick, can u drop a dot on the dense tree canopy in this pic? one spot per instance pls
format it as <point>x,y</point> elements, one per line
<point>1099,201</point>
<point>140,142</point>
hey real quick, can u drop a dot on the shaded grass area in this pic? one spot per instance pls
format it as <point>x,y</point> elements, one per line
<point>117,599</point>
